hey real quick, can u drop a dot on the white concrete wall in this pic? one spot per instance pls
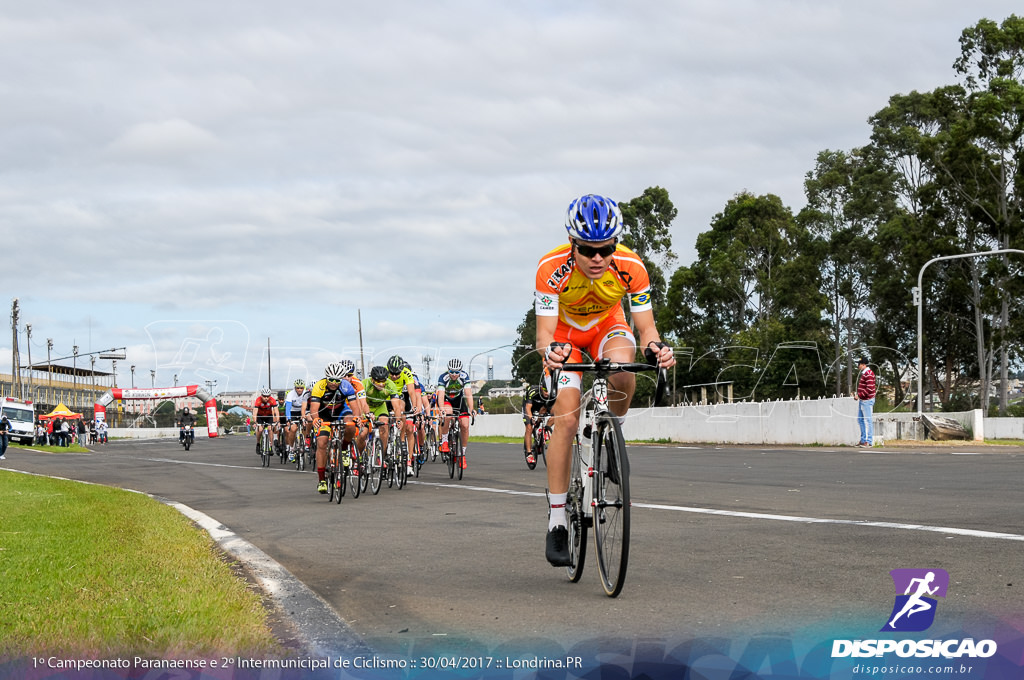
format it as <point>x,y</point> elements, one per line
<point>1003,428</point>
<point>812,421</point>
<point>818,421</point>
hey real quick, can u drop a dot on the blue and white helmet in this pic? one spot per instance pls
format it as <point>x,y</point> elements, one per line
<point>593,218</point>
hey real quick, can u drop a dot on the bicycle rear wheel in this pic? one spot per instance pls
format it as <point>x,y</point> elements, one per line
<point>611,503</point>
<point>332,473</point>
<point>576,517</point>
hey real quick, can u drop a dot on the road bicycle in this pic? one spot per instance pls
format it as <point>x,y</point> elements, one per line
<point>375,469</point>
<point>357,468</point>
<point>455,455</point>
<point>430,437</point>
<point>396,456</point>
<point>598,497</point>
<point>337,469</point>
<point>419,454</point>
<point>301,449</point>
<point>279,445</point>
<point>265,446</point>
<point>540,433</point>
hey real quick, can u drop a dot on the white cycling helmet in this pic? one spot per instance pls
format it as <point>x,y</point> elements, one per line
<point>334,371</point>
<point>265,392</point>
<point>348,367</point>
<point>455,365</point>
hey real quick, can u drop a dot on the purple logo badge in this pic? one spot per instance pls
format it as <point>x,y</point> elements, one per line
<point>916,590</point>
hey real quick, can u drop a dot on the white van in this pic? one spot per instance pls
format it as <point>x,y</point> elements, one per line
<point>22,419</point>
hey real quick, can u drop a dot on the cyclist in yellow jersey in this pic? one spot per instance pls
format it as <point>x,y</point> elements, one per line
<point>579,290</point>
<point>329,403</point>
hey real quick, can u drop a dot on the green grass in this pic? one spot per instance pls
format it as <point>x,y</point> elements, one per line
<point>91,570</point>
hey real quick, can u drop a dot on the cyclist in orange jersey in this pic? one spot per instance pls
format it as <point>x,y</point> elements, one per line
<point>578,300</point>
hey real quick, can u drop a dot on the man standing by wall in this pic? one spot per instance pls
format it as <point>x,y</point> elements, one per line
<point>866,389</point>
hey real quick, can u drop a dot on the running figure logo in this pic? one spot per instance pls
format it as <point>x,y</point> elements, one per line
<point>914,610</point>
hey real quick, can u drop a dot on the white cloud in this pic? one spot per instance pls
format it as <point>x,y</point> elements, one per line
<point>282,168</point>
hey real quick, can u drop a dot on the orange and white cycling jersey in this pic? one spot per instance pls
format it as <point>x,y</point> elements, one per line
<point>564,291</point>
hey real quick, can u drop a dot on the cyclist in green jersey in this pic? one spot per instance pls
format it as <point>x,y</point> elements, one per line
<point>382,398</point>
<point>402,376</point>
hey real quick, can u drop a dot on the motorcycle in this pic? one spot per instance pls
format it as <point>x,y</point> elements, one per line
<point>187,436</point>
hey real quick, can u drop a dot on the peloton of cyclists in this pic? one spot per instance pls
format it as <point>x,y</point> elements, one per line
<point>329,407</point>
<point>454,392</point>
<point>579,287</point>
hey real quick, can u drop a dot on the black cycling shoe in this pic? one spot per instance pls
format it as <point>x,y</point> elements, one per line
<point>557,548</point>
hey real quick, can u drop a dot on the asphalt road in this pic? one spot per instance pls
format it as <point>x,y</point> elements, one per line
<point>726,541</point>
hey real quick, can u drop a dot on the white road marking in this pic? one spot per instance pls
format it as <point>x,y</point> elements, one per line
<point>900,526</point>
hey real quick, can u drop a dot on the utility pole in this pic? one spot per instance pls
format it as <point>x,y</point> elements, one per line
<point>362,364</point>
<point>15,357</point>
<point>28,341</point>
<point>49,373</point>
<point>74,379</point>
<point>426,362</point>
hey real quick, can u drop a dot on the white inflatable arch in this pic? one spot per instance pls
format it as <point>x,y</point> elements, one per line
<point>162,393</point>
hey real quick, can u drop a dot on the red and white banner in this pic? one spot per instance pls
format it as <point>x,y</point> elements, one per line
<point>210,404</point>
<point>155,392</point>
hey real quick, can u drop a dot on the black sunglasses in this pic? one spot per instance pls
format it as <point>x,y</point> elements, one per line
<point>604,251</point>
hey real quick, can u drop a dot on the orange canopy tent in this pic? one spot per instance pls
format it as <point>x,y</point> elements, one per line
<point>61,411</point>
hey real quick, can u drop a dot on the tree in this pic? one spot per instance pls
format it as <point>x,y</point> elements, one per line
<point>754,286</point>
<point>647,219</point>
<point>991,63</point>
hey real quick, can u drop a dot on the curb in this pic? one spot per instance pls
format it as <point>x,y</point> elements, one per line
<point>320,630</point>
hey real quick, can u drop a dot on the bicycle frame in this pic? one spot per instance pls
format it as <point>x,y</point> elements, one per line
<point>602,477</point>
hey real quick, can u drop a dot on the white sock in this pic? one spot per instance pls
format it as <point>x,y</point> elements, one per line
<point>557,505</point>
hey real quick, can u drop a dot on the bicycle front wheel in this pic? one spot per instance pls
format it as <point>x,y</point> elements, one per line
<point>432,444</point>
<point>450,457</point>
<point>401,470</point>
<point>375,466</point>
<point>358,475</point>
<point>611,503</point>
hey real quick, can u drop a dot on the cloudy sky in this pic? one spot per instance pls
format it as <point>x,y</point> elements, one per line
<point>195,180</point>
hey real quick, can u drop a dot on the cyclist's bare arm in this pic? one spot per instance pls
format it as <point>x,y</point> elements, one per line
<point>554,354</point>
<point>649,338</point>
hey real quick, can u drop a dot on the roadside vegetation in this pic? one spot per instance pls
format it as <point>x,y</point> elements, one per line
<point>89,571</point>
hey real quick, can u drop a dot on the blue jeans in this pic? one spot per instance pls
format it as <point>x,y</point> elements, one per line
<point>867,427</point>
